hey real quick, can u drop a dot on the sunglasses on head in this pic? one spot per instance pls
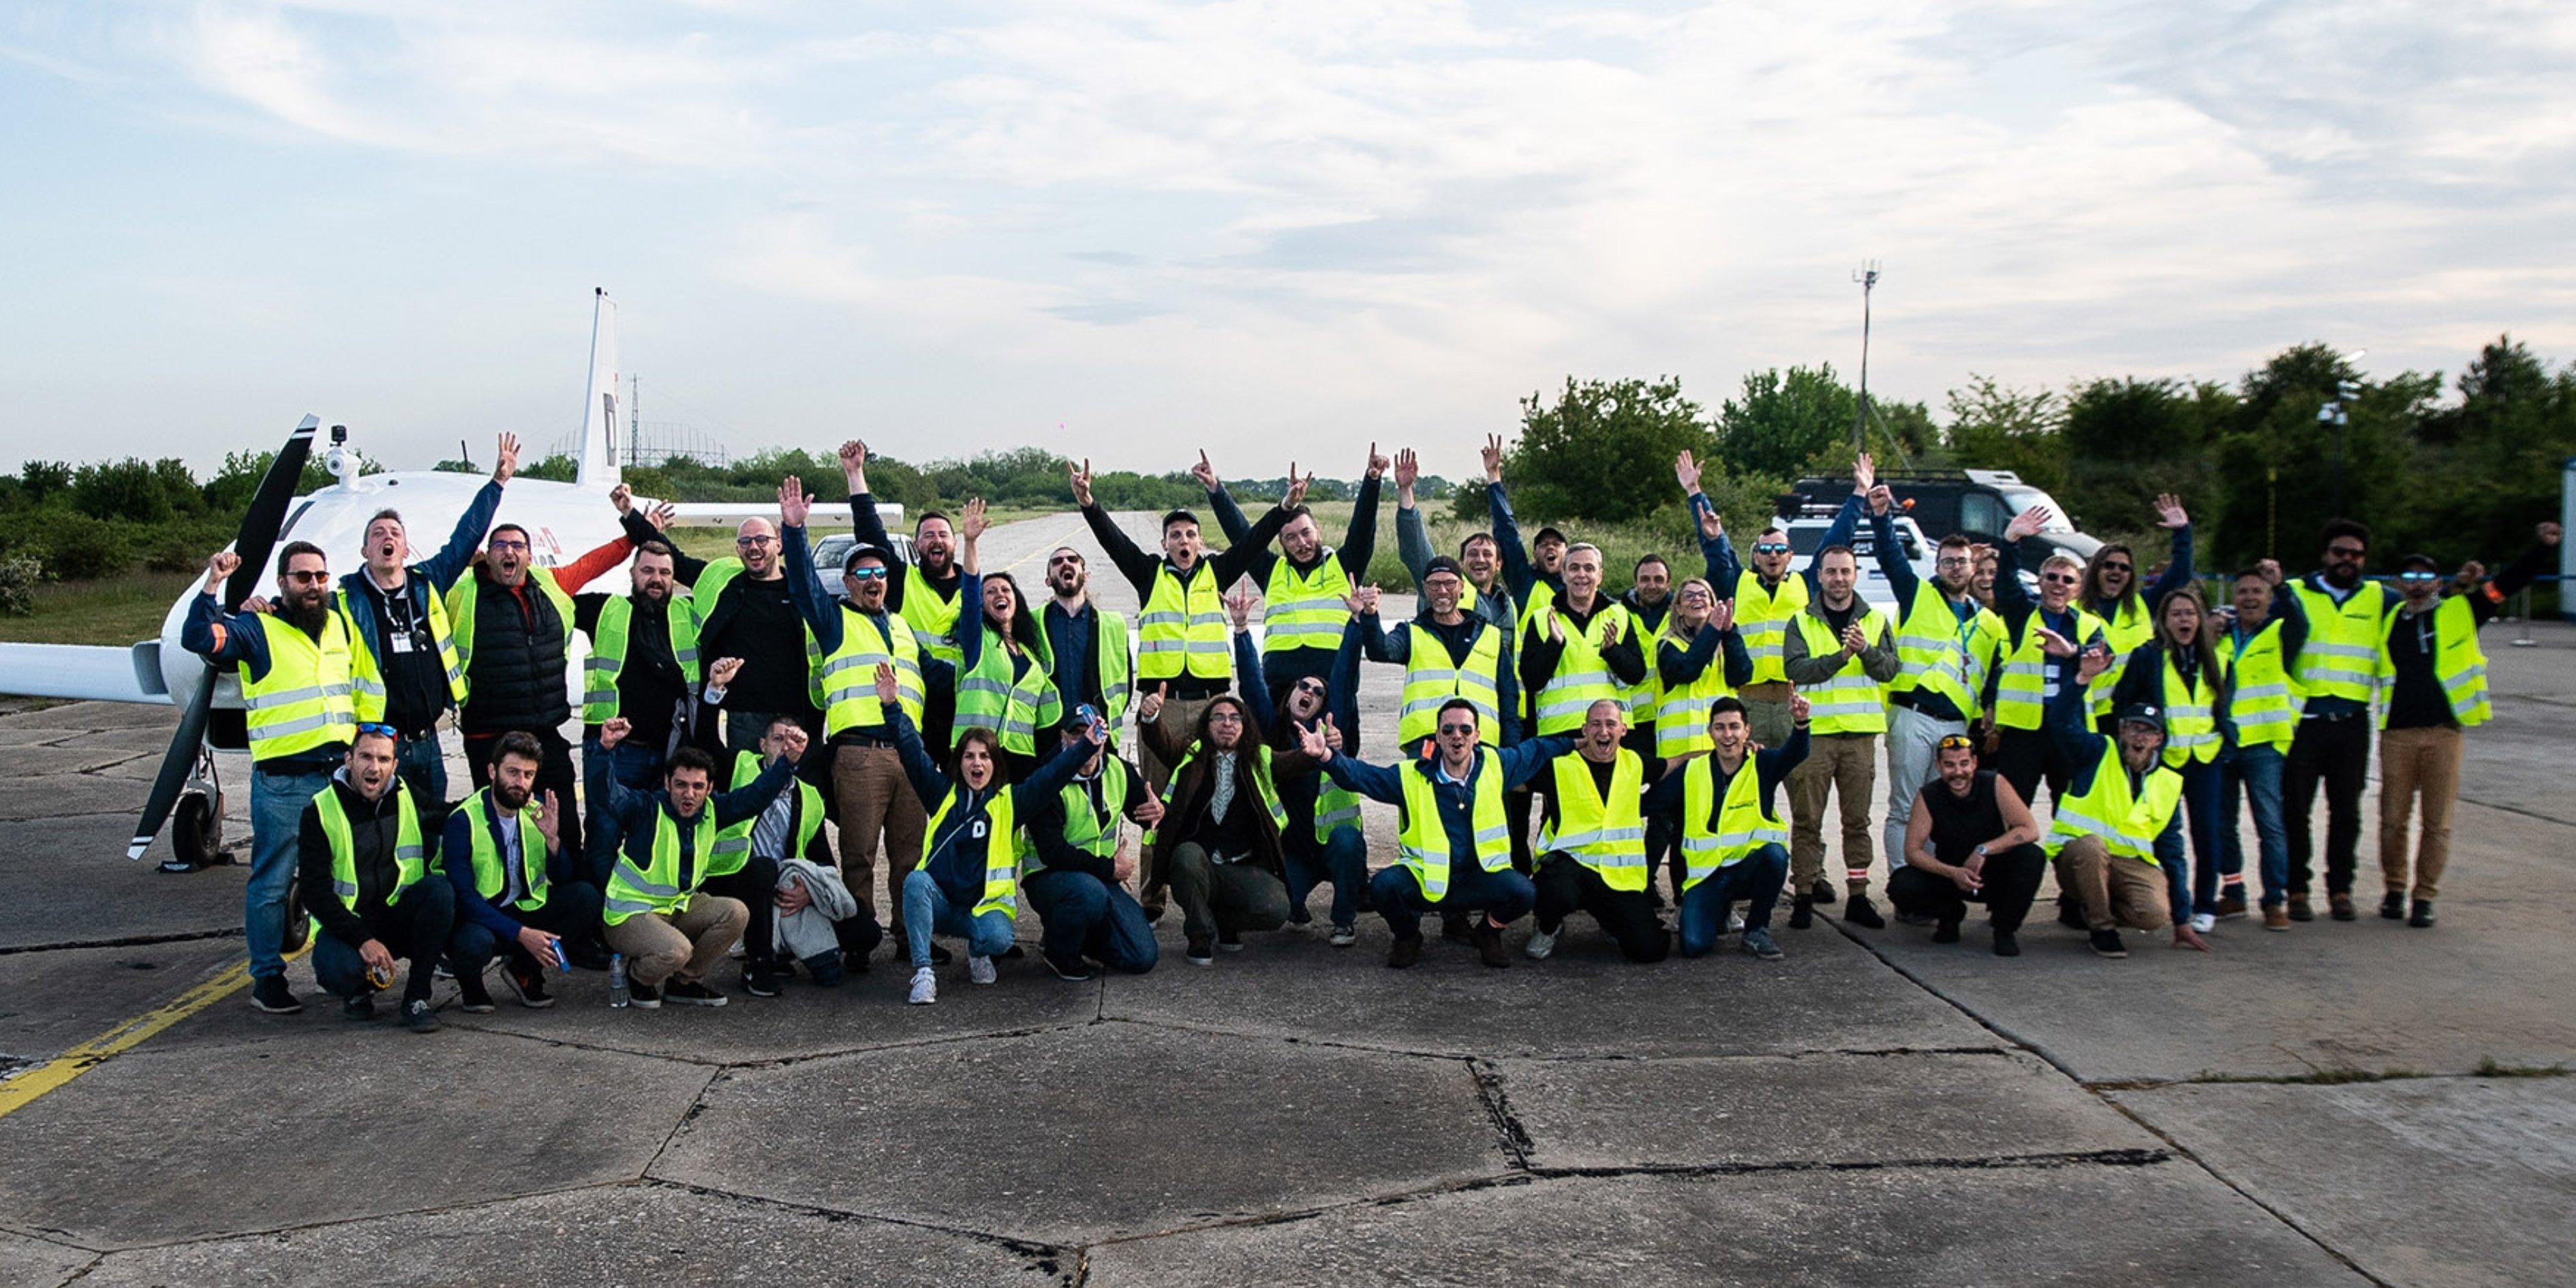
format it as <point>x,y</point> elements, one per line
<point>379,730</point>
<point>1957,742</point>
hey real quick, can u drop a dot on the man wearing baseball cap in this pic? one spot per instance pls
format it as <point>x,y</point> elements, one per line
<point>2118,800</point>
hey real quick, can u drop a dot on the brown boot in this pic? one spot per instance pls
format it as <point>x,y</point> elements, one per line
<point>1489,944</point>
<point>1404,953</point>
<point>2276,918</point>
<point>2299,909</point>
<point>2340,906</point>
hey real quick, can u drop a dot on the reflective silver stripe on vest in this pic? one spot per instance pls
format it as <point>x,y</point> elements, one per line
<point>321,720</point>
<point>344,889</point>
<point>288,697</point>
<point>1346,816</point>
<point>2094,827</point>
<point>1325,633</point>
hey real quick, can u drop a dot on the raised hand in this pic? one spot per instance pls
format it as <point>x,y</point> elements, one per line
<point>1296,488</point>
<point>1864,474</point>
<point>2169,512</point>
<point>1150,706</point>
<point>1332,732</point>
<point>1238,605</point>
<point>222,564</point>
<point>1611,628</point>
<point>550,823</point>
<point>1204,472</point>
<point>1376,464</point>
<point>793,504</point>
<point>1361,600</point>
<point>1881,500</point>
<point>2271,568</point>
<point>623,497</point>
<point>1711,525</point>
<point>1408,471</point>
<point>854,465</point>
<point>1096,732</point>
<point>1493,454</point>
<point>887,693</point>
<point>2095,662</point>
<point>971,523</point>
<point>1686,472</point>
<point>505,458</point>
<point>2027,523</point>
<point>2472,572</point>
<point>721,672</point>
<point>614,732</point>
<point>2549,534</point>
<point>1798,708</point>
<point>2054,644</point>
<point>1080,475</point>
<point>1315,744</point>
<point>1723,616</point>
<point>663,516</point>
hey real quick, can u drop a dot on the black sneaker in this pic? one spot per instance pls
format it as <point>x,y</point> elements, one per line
<point>358,1006</point>
<point>1076,970</point>
<point>418,1017</point>
<point>1228,941</point>
<point>1802,913</point>
<point>1299,916</point>
<point>2393,905</point>
<point>2107,943</point>
<point>2006,945</point>
<point>530,985</point>
<point>1404,953</point>
<point>2070,914</point>
<point>270,993</point>
<point>587,953</point>
<point>760,979</point>
<point>643,996</point>
<point>2423,918</point>
<point>1822,894</point>
<point>689,992</point>
<point>1946,933</point>
<point>1202,951</point>
<point>1861,912</point>
<point>471,996</point>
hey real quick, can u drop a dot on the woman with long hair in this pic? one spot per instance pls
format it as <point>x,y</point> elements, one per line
<point>1005,674</point>
<point>2177,672</point>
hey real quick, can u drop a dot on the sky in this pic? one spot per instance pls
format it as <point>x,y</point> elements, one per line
<point>1282,231</point>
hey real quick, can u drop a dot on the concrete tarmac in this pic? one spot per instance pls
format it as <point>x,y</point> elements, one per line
<point>2324,1106</point>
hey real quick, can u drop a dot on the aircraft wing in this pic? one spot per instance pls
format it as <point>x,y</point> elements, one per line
<point>729,512</point>
<point>88,671</point>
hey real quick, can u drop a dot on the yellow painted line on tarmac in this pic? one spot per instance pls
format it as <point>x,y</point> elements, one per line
<point>27,1088</point>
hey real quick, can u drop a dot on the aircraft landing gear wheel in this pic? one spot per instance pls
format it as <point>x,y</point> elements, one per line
<point>299,927</point>
<point>196,835</point>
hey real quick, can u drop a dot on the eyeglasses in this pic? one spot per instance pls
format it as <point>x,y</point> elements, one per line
<point>509,545</point>
<point>755,541</point>
<point>307,576</point>
<point>867,574</point>
<point>380,731</point>
<point>1458,728</point>
<point>1957,742</point>
<point>1224,717</point>
<point>1694,595</point>
<point>2417,574</point>
<point>2059,578</point>
<point>2344,552</point>
<point>1770,547</point>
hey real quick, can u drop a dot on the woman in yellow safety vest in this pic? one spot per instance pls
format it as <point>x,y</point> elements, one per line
<point>2178,671</point>
<point>1005,681</point>
<point>1323,841</point>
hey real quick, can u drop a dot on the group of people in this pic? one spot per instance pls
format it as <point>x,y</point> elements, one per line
<point>970,744</point>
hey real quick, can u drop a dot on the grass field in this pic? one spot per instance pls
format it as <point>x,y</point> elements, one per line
<point>118,611</point>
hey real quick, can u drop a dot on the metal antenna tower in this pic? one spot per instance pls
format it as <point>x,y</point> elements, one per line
<point>1867,276</point>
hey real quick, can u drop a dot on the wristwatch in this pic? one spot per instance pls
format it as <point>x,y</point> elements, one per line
<point>1981,850</point>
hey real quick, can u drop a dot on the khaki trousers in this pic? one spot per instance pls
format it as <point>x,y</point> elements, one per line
<point>684,946</point>
<point>876,800</point>
<point>2115,889</point>
<point>1845,765</point>
<point>2413,763</point>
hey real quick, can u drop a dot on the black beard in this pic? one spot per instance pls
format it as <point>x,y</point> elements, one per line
<point>308,620</point>
<point>510,803</point>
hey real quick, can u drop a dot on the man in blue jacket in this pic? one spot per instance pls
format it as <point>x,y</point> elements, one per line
<point>516,890</point>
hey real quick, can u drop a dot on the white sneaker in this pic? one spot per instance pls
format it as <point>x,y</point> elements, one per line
<point>925,987</point>
<point>2204,922</point>
<point>1734,922</point>
<point>979,970</point>
<point>1345,936</point>
<point>737,952</point>
<point>1541,943</point>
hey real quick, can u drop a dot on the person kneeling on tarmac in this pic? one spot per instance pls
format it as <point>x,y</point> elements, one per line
<point>1592,840</point>
<point>361,864</point>
<point>1969,840</point>
<point>1733,843</point>
<point>1455,841</point>
<point>670,929</point>
<point>1219,841</point>
<point>2118,799</point>
<point>504,901</point>
<point>1077,880</point>
<point>785,880</point>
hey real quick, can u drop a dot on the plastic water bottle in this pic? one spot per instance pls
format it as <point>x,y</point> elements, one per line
<point>617,979</point>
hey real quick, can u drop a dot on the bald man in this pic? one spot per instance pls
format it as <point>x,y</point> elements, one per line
<point>743,610</point>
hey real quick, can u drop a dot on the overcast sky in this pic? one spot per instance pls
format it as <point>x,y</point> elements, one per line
<point>1274,229</point>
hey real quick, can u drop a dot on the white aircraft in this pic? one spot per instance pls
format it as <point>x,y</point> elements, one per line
<point>563,521</point>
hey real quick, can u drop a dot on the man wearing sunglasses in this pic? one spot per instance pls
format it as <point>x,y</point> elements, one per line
<point>2028,675</point>
<point>2128,615</point>
<point>923,592</point>
<point>2435,678</point>
<point>1303,585</point>
<point>1453,843</point>
<point>1086,644</point>
<point>2347,619</point>
<point>514,624</point>
<point>297,673</point>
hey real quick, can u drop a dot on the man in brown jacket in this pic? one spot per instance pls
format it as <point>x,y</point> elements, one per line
<point>1218,843</point>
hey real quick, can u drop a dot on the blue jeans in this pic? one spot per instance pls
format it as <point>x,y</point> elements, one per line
<point>423,768</point>
<point>277,804</point>
<point>2194,886</point>
<point>1505,896</point>
<point>1343,860</point>
<point>571,913</point>
<point>2254,773</point>
<point>927,911</point>
<point>636,768</point>
<point>1755,877</point>
<point>1086,918</point>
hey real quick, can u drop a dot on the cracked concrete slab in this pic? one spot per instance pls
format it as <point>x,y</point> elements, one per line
<point>76,885</point>
<point>1828,995</point>
<point>35,1263</point>
<point>1068,1137</point>
<point>2419,1181</point>
<point>1810,1109</point>
<point>83,716</point>
<point>163,1145</point>
<point>625,1234</point>
<point>2086,1226</point>
<point>44,796</point>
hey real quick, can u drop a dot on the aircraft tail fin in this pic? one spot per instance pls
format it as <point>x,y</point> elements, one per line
<point>601,401</point>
